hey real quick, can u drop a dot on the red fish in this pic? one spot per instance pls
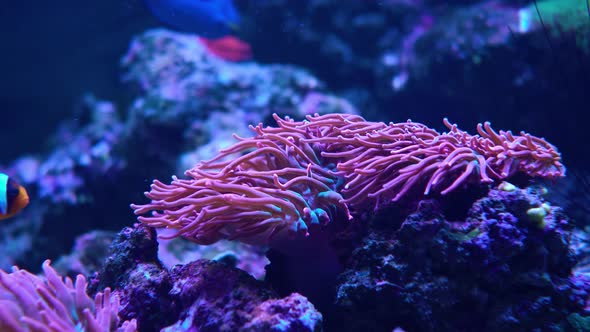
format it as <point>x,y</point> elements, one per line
<point>228,48</point>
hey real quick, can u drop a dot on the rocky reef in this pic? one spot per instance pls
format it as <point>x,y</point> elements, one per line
<point>475,253</point>
<point>506,266</point>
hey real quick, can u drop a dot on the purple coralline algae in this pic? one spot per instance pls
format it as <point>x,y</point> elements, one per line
<point>204,287</point>
<point>246,257</point>
<point>293,313</point>
<point>502,269</point>
<point>184,90</point>
<point>87,255</point>
<point>82,150</point>
<point>201,295</point>
<point>177,67</point>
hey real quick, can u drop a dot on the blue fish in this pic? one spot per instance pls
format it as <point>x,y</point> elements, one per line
<point>206,18</point>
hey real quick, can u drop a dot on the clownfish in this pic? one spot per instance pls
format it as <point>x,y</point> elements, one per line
<point>13,197</point>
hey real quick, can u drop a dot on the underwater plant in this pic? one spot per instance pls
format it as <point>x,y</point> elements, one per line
<point>287,179</point>
<point>31,303</point>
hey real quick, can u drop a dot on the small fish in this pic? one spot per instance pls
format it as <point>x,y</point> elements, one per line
<point>13,197</point>
<point>210,19</point>
<point>228,48</point>
<point>214,21</point>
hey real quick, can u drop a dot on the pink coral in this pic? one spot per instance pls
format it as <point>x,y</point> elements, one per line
<point>277,186</point>
<point>298,175</point>
<point>53,304</point>
<point>385,162</point>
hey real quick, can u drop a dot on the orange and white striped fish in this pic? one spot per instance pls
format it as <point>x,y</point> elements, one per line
<point>13,197</point>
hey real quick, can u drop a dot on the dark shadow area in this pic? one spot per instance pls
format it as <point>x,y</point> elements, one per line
<point>53,53</point>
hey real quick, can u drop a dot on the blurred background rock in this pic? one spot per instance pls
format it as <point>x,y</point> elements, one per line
<point>46,70</point>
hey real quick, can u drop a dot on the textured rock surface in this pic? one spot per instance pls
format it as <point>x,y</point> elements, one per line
<point>498,270</point>
<point>202,295</point>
